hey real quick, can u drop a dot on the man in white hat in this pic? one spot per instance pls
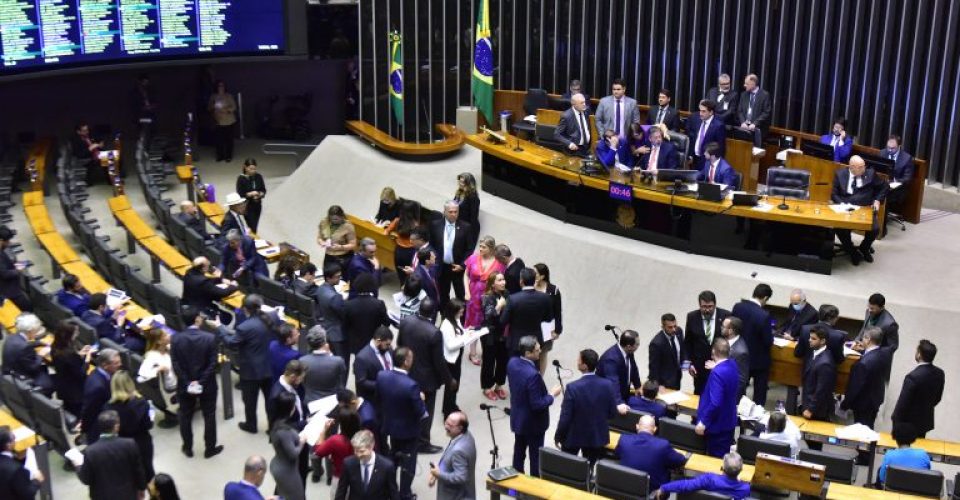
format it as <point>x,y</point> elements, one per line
<point>234,218</point>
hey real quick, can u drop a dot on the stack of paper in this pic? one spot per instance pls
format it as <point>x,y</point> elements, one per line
<point>780,342</point>
<point>673,398</point>
<point>313,431</point>
<point>857,432</point>
<point>843,208</point>
<point>762,207</point>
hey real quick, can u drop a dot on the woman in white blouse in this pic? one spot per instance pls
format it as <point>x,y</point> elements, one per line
<point>454,338</point>
<point>780,429</point>
<point>156,373</point>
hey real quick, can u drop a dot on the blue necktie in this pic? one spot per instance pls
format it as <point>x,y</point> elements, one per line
<point>617,126</point>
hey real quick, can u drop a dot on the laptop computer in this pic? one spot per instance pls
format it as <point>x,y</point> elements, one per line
<point>709,192</point>
<point>745,199</point>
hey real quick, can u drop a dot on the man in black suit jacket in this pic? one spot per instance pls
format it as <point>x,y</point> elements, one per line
<point>828,315</point>
<point>112,466</point>
<point>664,113</point>
<point>371,360</point>
<point>921,391</point>
<point>819,377</point>
<point>512,267</point>
<point>525,311</point>
<point>367,475</point>
<point>865,387</point>
<point>618,365</point>
<point>15,481</point>
<point>193,353</point>
<point>573,131</point>
<point>861,186</point>
<point>726,98</point>
<point>666,353</point>
<point>703,325</point>
<point>10,273</point>
<point>758,333</point>
<point>96,392</point>
<point>877,315</point>
<point>754,109</point>
<point>799,314</point>
<point>20,357</point>
<point>190,216</point>
<point>420,335</point>
<point>235,216</point>
<point>252,343</point>
<point>291,382</point>
<point>451,238</point>
<point>203,292</point>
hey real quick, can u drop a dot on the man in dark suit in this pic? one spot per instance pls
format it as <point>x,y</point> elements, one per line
<point>646,452</point>
<point>397,390</point>
<point>800,314</point>
<point>647,401</point>
<point>426,262</point>
<point>739,353</point>
<point>861,186</point>
<point>190,217</point>
<point>235,217</point>
<point>864,389</point>
<point>73,295</point>
<point>306,283</point>
<point>362,314</point>
<point>703,128</point>
<point>203,292</point>
<point>110,324</point>
<point>330,310</point>
<point>363,262</point>
<point>758,332</point>
<point>292,382</point>
<point>194,356</point>
<point>587,405</point>
<point>573,131</point>
<point>112,466</point>
<point>10,273</point>
<point>254,471</point>
<point>370,361</point>
<point>451,239</point>
<point>529,403</point>
<point>512,267</point>
<point>525,311</point>
<point>252,342</point>
<point>819,377</point>
<point>717,411</point>
<point>240,260</point>
<point>369,476</point>
<point>726,99</point>
<point>96,392</point>
<point>664,113</point>
<point>878,316</point>
<point>921,391</point>
<point>754,109</point>
<point>715,169</point>
<point>20,357</point>
<point>828,315</point>
<point>420,335</point>
<point>573,88</point>
<point>666,354</point>
<point>702,326</point>
<point>903,169</point>
<point>618,365</point>
<point>15,481</point>
<point>657,153</point>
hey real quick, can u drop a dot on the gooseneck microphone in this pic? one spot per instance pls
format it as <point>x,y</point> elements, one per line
<point>556,364</point>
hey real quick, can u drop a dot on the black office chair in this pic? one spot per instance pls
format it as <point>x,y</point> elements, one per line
<point>840,468</point>
<point>953,487</point>
<point>702,495</point>
<point>534,100</point>
<point>749,446</point>
<point>682,435</point>
<point>15,396</point>
<point>140,288</point>
<point>168,305</point>
<point>920,482</point>
<point>789,182</point>
<point>626,423</point>
<point>544,137</point>
<point>682,143</point>
<point>564,468</point>
<point>273,292</point>
<point>620,482</point>
<point>304,309</point>
<point>52,421</point>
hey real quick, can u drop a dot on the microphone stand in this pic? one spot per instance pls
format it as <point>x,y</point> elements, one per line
<point>495,452</point>
<point>783,204</point>
<point>518,148</point>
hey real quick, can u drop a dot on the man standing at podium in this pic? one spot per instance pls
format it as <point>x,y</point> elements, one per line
<point>573,131</point>
<point>858,185</point>
<point>617,111</point>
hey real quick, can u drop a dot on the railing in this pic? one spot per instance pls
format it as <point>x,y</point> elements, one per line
<point>287,149</point>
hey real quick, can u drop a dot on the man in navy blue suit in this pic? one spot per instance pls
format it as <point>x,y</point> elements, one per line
<point>717,411</point>
<point>865,387</point>
<point>254,471</point>
<point>715,169</point>
<point>704,128</point>
<point>727,484</point>
<point>657,154</point>
<point>819,376</point>
<point>861,186</point>
<point>426,263</point>
<point>828,315</point>
<point>240,260</point>
<point>530,404</point>
<point>587,405</point>
<point>800,314</point>
<point>618,365</point>
<point>647,401</point>
<point>96,392</point>
<point>758,332</point>
<point>73,295</point>
<point>666,353</point>
<point>397,391</point>
<point>646,452</point>
<point>110,325</point>
<point>838,139</point>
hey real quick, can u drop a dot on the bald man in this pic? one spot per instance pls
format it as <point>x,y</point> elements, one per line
<point>454,474</point>
<point>191,218</point>
<point>648,453</point>
<point>573,131</point>
<point>861,186</point>
<point>203,286</point>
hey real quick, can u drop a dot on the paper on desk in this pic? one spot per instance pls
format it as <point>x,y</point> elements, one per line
<point>782,155</point>
<point>843,208</point>
<point>762,207</point>
<point>23,432</point>
<point>748,410</point>
<point>895,184</point>
<point>322,406</point>
<point>759,152</point>
<point>223,285</point>
<point>546,328</point>
<point>780,342</point>
<point>693,187</point>
<point>623,168</point>
<point>673,398</point>
<point>530,118</point>
<point>857,432</point>
<point>75,456</point>
<point>314,429</point>
<point>30,463</point>
<point>261,243</point>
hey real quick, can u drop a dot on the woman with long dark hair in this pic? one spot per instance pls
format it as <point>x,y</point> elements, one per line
<point>70,360</point>
<point>251,187</point>
<point>337,446</point>
<point>477,269</point>
<point>469,201</point>
<point>408,218</point>
<point>543,284</point>
<point>493,369</point>
<point>287,444</point>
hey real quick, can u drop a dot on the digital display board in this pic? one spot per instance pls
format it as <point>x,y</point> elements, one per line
<point>36,34</point>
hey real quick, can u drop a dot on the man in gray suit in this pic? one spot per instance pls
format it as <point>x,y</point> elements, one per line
<point>454,475</point>
<point>739,352</point>
<point>326,373</point>
<point>617,111</point>
<point>330,310</point>
<point>573,131</point>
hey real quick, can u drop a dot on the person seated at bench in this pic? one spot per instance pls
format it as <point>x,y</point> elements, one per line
<point>190,216</point>
<point>20,358</point>
<point>648,453</point>
<point>647,402</point>
<point>904,456</point>
<point>73,295</point>
<point>203,286</point>
<point>240,260</point>
<point>726,484</point>
<point>779,430</point>
<point>110,325</point>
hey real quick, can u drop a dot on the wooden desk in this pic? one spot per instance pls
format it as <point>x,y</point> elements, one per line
<point>452,142</point>
<point>386,244</point>
<point>212,211</point>
<point>534,487</point>
<point>164,253</point>
<point>32,198</point>
<point>22,444</point>
<point>951,452</point>
<point>39,219</point>
<point>787,369</point>
<point>8,314</point>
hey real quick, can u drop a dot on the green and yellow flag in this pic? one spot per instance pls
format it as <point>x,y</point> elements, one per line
<point>396,76</point>
<point>483,64</point>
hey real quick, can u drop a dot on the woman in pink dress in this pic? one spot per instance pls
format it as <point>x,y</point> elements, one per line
<point>479,267</point>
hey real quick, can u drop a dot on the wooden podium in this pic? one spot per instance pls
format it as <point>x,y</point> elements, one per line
<point>790,474</point>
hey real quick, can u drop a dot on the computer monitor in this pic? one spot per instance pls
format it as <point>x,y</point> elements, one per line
<point>878,164</point>
<point>817,149</point>
<point>671,175</point>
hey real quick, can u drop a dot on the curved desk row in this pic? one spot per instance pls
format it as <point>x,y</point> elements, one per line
<point>452,142</point>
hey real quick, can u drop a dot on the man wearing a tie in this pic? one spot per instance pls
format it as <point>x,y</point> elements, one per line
<point>664,113</point>
<point>235,216</point>
<point>399,392</point>
<point>658,153</point>
<point>861,186</point>
<point>454,474</point>
<point>367,475</point>
<point>703,325</point>
<point>573,131</point>
<point>754,109</point>
<point>838,139</point>
<point>666,353</point>
<point>616,111</point>
<point>450,237</point>
<point>703,128</point>
<point>618,365</point>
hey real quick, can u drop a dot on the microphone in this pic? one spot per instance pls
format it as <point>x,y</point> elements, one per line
<point>486,407</point>
<point>783,204</point>
<point>557,363</point>
<point>507,411</point>
<point>609,327</point>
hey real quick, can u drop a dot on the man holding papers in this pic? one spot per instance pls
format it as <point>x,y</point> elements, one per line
<point>859,186</point>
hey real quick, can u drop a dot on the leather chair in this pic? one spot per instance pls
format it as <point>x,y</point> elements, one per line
<point>620,482</point>
<point>534,100</point>
<point>626,423</point>
<point>272,291</point>
<point>840,468</point>
<point>564,468</point>
<point>749,446</point>
<point>789,182</point>
<point>52,421</point>
<point>682,435</point>
<point>169,306</point>
<point>544,137</point>
<point>682,143</point>
<point>702,495</point>
<point>921,482</point>
<point>14,392</point>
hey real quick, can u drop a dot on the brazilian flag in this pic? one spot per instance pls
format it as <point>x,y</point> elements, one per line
<point>396,76</point>
<point>482,81</point>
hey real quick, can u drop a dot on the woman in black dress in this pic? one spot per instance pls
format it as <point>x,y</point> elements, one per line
<point>469,202</point>
<point>70,360</point>
<point>135,416</point>
<point>250,186</point>
<point>493,369</point>
<point>543,284</point>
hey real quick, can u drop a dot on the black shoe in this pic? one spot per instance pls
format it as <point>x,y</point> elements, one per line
<point>867,255</point>
<point>855,257</point>
<point>429,449</point>
<point>187,451</point>
<point>168,423</point>
<point>247,428</point>
<point>212,452</point>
